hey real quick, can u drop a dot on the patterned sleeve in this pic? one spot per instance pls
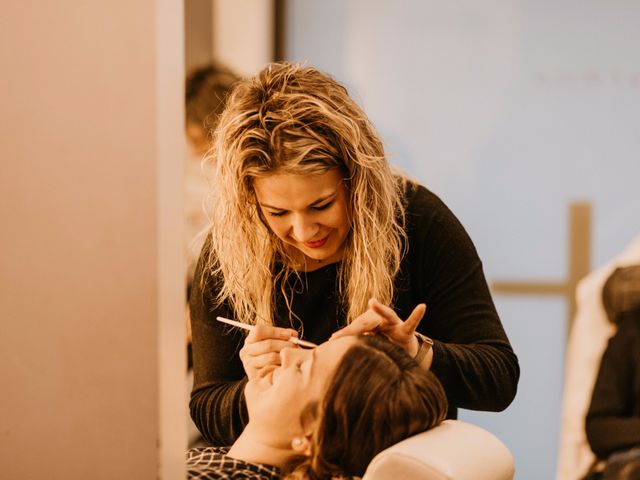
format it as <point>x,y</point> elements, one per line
<point>210,463</point>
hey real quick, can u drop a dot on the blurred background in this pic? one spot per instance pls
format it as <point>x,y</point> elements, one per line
<point>520,115</point>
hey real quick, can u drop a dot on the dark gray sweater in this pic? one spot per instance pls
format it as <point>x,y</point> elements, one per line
<point>472,355</point>
<point>613,419</point>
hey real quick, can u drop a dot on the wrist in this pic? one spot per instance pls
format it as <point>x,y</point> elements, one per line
<point>414,346</point>
<point>424,355</point>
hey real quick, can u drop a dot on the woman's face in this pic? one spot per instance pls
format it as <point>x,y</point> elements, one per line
<point>276,400</point>
<point>308,212</point>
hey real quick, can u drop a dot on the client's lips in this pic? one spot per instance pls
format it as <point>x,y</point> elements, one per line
<point>317,243</point>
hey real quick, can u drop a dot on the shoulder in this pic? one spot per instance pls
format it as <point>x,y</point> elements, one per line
<point>418,198</point>
<point>428,219</point>
<point>624,346</point>
<point>207,266</point>
<point>439,247</point>
<point>423,208</point>
<point>628,328</point>
<point>213,462</point>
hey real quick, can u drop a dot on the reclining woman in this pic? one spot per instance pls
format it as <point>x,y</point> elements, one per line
<point>327,412</point>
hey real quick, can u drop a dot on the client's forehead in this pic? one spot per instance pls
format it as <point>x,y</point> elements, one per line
<point>329,354</point>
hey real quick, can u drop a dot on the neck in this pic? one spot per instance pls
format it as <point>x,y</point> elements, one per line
<point>254,448</point>
<point>302,263</point>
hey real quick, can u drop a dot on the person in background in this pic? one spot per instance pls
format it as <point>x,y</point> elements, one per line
<point>311,233</point>
<point>325,413</point>
<point>613,418</point>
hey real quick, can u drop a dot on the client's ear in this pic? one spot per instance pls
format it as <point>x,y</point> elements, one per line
<point>301,445</point>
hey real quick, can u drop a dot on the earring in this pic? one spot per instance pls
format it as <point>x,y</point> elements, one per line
<point>297,442</point>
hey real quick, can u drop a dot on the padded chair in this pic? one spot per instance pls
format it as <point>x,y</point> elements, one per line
<point>587,341</point>
<point>455,450</point>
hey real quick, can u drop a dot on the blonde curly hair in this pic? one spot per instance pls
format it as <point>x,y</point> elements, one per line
<point>294,119</point>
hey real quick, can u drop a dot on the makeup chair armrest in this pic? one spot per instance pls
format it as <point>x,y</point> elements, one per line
<point>454,450</point>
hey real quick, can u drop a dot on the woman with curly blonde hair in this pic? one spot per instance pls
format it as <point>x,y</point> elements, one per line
<point>313,234</point>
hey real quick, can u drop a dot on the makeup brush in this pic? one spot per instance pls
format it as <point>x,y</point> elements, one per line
<point>294,340</point>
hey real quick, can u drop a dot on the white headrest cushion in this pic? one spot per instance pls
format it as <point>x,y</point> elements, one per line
<point>455,450</point>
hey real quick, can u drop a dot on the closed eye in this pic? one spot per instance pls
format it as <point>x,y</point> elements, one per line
<point>318,208</point>
<point>278,214</point>
<point>323,207</point>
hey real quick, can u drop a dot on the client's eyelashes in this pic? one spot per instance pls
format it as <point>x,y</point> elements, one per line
<point>323,207</point>
<point>277,214</point>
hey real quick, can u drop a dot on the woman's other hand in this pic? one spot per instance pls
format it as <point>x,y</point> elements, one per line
<point>381,319</point>
<point>261,350</point>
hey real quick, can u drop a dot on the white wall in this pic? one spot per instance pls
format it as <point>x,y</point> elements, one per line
<point>508,110</point>
<point>90,270</point>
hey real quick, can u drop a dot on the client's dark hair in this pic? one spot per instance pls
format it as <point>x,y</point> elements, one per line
<point>377,397</point>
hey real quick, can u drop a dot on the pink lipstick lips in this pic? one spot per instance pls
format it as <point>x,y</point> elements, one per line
<point>316,244</point>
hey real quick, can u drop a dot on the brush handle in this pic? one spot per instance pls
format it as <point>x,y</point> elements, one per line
<point>244,326</point>
<point>302,343</point>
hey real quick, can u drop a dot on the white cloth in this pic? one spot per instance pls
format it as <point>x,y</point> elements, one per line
<point>588,339</point>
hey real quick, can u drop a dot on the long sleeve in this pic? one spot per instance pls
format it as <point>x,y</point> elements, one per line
<point>209,463</point>
<point>613,419</point>
<point>472,355</point>
<point>217,401</point>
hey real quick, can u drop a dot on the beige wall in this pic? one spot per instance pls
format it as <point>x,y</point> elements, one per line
<point>89,290</point>
<point>198,36</point>
<point>243,34</point>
